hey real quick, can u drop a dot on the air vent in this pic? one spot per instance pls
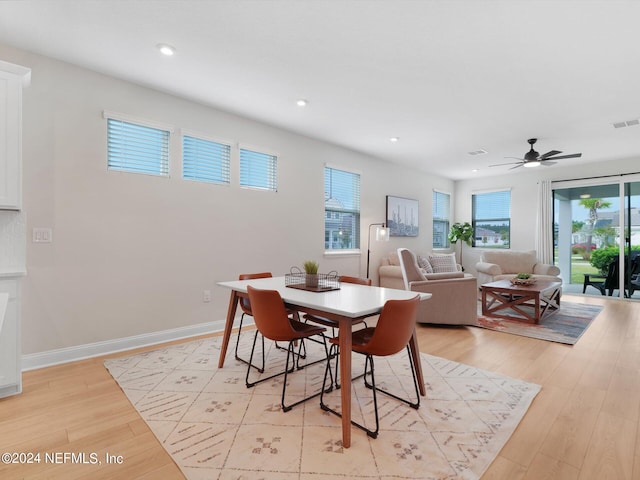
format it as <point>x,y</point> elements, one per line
<point>478,152</point>
<point>628,123</point>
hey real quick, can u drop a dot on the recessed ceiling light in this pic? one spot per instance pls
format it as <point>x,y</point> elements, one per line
<point>480,151</point>
<point>585,195</point>
<point>165,49</point>
<point>475,170</point>
<point>302,102</point>
<point>394,139</point>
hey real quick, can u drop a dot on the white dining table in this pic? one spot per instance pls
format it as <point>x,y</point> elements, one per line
<point>349,302</point>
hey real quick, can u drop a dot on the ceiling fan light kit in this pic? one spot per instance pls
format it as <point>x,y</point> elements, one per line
<point>534,159</point>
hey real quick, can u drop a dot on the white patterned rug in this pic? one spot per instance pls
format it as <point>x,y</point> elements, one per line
<point>216,428</point>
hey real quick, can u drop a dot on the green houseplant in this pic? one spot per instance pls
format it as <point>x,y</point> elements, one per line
<point>461,232</point>
<point>311,269</point>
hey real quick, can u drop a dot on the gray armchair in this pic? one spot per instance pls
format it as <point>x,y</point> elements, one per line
<point>454,298</point>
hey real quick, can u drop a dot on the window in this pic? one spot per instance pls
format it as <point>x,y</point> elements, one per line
<point>205,160</point>
<point>441,204</point>
<point>132,147</point>
<point>492,219</point>
<point>258,170</point>
<point>342,209</point>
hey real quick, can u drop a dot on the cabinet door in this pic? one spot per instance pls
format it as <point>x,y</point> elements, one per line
<point>10,138</point>
<point>8,348</point>
<point>10,376</point>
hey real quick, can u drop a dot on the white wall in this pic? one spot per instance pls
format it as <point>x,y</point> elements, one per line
<point>524,198</point>
<point>132,254</point>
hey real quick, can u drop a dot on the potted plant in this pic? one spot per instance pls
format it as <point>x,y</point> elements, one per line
<point>311,270</point>
<point>463,232</point>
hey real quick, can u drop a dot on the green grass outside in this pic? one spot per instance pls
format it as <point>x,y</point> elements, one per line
<point>579,267</point>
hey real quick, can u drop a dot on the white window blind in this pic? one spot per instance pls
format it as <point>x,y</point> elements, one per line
<point>205,160</point>
<point>441,217</point>
<point>137,148</point>
<point>258,170</point>
<point>491,219</point>
<point>342,209</point>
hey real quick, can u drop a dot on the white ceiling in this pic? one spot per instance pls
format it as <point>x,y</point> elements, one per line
<point>446,77</point>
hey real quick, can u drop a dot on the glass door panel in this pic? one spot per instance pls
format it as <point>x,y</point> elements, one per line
<point>587,237</point>
<point>632,239</point>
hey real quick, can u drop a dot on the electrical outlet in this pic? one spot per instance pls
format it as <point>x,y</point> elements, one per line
<point>206,296</point>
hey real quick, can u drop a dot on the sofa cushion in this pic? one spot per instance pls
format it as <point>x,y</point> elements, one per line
<point>424,264</point>
<point>511,261</point>
<point>443,262</point>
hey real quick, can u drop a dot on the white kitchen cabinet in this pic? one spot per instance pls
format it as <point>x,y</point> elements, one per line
<point>12,79</point>
<point>10,351</point>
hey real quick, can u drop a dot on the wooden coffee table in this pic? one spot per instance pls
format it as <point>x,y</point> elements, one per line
<point>531,302</point>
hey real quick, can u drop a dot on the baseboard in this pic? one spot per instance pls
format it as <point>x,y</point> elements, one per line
<point>81,352</point>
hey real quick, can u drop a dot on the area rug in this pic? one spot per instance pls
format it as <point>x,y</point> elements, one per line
<point>216,428</point>
<point>565,326</point>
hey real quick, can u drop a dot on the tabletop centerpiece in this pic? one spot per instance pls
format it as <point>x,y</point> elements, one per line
<point>523,279</point>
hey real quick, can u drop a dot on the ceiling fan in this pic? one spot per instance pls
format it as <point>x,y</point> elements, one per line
<point>533,158</point>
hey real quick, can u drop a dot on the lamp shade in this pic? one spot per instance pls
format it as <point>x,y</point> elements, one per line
<point>382,233</point>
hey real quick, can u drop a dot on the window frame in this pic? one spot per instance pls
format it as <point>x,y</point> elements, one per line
<point>149,124</point>
<point>272,183</point>
<point>475,220</point>
<point>446,222</point>
<point>357,212</point>
<point>216,140</point>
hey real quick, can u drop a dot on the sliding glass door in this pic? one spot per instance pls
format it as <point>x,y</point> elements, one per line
<point>597,236</point>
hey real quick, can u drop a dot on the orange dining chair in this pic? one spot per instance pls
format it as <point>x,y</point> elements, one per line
<point>391,334</point>
<point>273,322</point>
<point>245,306</point>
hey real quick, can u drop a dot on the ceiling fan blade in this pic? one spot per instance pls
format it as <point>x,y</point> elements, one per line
<point>544,156</point>
<point>517,166</point>
<point>501,164</point>
<point>573,155</point>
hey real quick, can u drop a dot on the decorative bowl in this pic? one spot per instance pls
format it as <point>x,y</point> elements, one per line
<point>522,281</point>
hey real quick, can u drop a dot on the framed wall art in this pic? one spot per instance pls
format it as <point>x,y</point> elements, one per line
<point>402,216</point>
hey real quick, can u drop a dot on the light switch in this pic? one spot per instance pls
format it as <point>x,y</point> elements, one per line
<point>42,235</point>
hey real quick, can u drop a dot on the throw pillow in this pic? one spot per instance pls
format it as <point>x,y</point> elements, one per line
<point>424,264</point>
<point>445,262</point>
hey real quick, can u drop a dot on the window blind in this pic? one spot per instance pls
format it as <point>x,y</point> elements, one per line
<point>258,170</point>
<point>342,209</point>
<point>205,160</point>
<point>137,148</point>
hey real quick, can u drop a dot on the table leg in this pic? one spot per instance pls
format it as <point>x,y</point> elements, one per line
<point>415,356</point>
<point>228,326</point>
<point>344,339</point>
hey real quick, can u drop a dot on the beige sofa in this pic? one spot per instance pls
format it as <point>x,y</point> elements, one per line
<point>497,265</point>
<point>454,294</point>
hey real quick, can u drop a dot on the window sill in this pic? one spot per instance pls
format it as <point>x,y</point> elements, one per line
<point>342,253</point>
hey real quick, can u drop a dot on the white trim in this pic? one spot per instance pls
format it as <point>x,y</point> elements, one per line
<point>343,252</point>
<point>257,149</point>
<point>80,352</point>
<point>342,169</point>
<point>490,190</point>
<point>137,120</point>
<point>203,136</point>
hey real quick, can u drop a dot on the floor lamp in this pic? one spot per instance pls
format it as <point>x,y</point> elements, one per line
<point>382,234</point>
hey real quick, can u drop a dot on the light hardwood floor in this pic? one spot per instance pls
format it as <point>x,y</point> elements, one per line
<point>583,425</point>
